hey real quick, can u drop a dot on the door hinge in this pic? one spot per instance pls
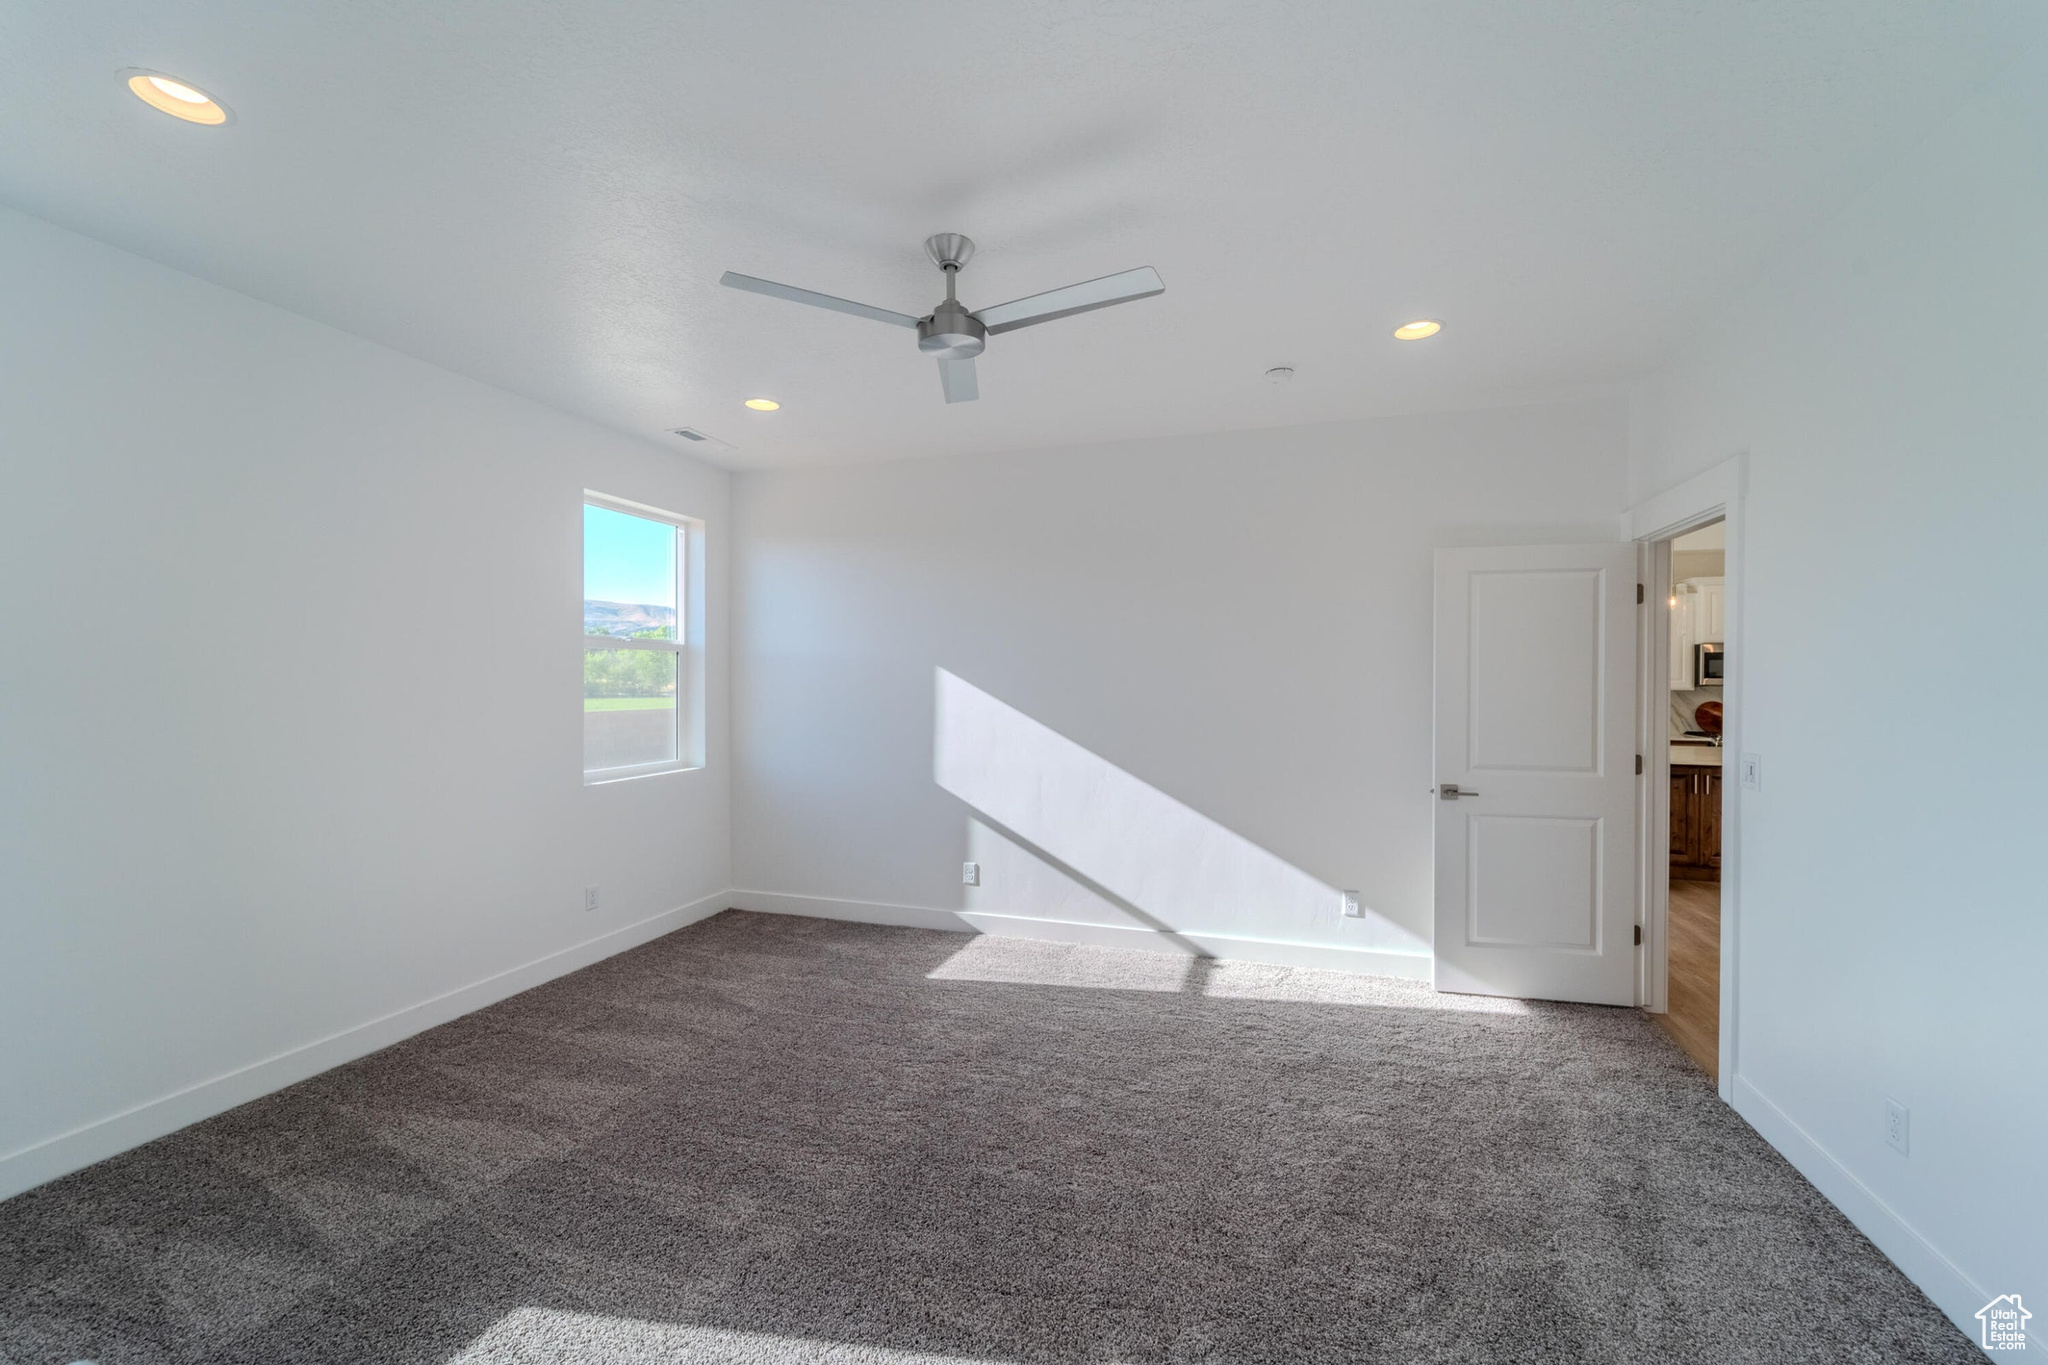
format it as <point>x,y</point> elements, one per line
<point>1639,594</point>
<point>1639,936</point>
<point>1639,765</point>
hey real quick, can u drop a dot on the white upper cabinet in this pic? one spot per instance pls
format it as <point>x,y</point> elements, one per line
<point>1681,640</point>
<point>1699,618</point>
<point>1709,609</point>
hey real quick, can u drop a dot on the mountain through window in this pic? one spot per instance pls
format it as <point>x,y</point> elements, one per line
<point>634,642</point>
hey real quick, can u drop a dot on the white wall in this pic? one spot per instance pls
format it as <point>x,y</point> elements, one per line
<point>292,720</point>
<point>1889,382</point>
<point>1186,682</point>
<point>1697,564</point>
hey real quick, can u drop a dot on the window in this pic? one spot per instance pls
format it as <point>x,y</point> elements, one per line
<point>639,669</point>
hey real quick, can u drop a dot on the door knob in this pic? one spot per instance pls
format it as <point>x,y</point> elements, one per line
<point>1449,792</point>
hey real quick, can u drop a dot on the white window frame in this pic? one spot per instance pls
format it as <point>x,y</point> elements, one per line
<point>687,646</point>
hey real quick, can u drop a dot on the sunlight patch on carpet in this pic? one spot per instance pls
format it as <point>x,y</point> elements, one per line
<point>1041,962</point>
<point>556,1336</point>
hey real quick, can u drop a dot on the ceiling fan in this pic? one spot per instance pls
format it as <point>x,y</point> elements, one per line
<point>954,334</point>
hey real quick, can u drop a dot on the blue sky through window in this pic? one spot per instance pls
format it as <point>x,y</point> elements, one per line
<point>627,558</point>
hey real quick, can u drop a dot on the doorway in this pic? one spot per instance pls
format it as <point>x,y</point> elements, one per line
<point>1695,603</point>
<point>1535,794</point>
<point>1715,495</point>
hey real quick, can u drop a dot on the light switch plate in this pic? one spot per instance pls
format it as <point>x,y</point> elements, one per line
<point>1752,773</point>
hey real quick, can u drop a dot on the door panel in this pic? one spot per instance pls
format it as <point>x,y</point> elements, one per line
<point>1532,704</point>
<point>1533,881</point>
<point>1535,652</point>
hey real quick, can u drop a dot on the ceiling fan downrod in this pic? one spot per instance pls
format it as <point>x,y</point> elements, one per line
<point>951,332</point>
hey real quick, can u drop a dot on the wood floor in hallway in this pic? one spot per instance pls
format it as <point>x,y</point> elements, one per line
<point>1695,934</point>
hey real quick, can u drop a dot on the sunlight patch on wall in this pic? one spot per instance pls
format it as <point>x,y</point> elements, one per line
<point>1099,846</point>
<point>1017,881</point>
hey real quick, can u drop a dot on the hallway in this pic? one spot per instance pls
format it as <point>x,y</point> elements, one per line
<point>1695,931</point>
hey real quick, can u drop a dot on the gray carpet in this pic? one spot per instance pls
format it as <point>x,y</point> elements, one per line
<point>777,1139</point>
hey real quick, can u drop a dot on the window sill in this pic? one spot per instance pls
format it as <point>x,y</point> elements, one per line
<point>605,777</point>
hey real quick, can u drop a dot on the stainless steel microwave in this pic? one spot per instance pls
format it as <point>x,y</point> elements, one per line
<point>1709,661</point>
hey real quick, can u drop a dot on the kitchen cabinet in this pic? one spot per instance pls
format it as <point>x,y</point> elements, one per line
<point>1681,644</point>
<point>1701,616</point>
<point>1695,822</point>
<point>1709,608</point>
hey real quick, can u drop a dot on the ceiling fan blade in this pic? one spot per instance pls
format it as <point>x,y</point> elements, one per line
<point>813,298</point>
<point>956,377</point>
<point>1141,283</point>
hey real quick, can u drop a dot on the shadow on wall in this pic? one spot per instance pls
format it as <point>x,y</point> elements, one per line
<point>1064,837</point>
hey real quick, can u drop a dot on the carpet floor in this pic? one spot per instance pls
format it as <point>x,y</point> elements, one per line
<point>771,1139</point>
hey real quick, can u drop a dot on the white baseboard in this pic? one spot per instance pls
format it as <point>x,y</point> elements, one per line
<point>28,1167</point>
<point>1362,961</point>
<point>1953,1292</point>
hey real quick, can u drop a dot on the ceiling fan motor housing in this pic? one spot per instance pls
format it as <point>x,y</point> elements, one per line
<point>951,333</point>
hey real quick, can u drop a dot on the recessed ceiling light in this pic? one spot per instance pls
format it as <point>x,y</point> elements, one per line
<point>763,404</point>
<point>1279,374</point>
<point>1418,329</point>
<point>179,99</point>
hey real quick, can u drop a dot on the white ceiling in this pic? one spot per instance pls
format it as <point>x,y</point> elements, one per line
<point>542,195</point>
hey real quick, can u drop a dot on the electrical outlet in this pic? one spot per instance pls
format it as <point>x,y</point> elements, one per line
<point>1898,1125</point>
<point>970,874</point>
<point>1352,909</point>
<point>1752,773</point>
<point>590,898</point>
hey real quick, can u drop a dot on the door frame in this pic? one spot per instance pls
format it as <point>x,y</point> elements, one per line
<point>1715,495</point>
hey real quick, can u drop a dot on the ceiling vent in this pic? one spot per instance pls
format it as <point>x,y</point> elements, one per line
<point>701,438</point>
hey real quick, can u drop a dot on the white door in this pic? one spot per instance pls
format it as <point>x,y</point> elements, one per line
<point>1535,765</point>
